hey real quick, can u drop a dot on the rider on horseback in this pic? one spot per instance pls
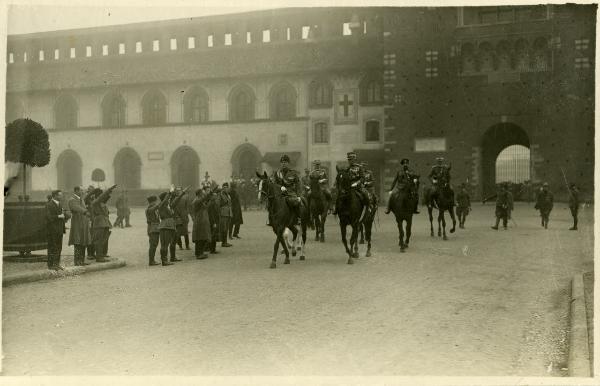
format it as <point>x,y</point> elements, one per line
<point>405,178</point>
<point>440,172</point>
<point>369,183</point>
<point>356,173</point>
<point>290,185</point>
<point>321,175</point>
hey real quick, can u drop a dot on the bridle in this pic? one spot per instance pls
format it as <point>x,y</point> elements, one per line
<point>262,192</point>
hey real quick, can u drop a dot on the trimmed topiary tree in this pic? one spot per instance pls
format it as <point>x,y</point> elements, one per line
<point>98,176</point>
<point>26,143</point>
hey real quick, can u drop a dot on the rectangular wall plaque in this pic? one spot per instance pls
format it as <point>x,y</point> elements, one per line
<point>430,144</point>
<point>156,155</point>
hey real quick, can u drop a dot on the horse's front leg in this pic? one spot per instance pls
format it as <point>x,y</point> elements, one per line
<point>442,220</point>
<point>430,211</point>
<point>354,240</point>
<point>303,227</point>
<point>278,238</point>
<point>294,240</point>
<point>343,231</point>
<point>451,211</point>
<point>368,228</point>
<point>400,235</point>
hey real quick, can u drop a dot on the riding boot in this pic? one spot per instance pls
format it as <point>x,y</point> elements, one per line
<point>387,208</point>
<point>497,223</point>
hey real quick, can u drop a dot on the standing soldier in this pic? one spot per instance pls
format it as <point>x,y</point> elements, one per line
<point>89,197</point>
<point>201,224</point>
<point>463,205</point>
<point>544,203</point>
<point>405,177</point>
<point>574,204</point>
<point>182,220</point>
<point>214,218</point>
<point>167,228</point>
<point>79,234</point>
<point>502,205</point>
<point>236,211</point>
<point>290,185</point>
<point>153,221</point>
<point>101,223</point>
<point>225,213</point>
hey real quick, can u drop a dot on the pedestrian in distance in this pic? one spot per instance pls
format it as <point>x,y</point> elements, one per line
<point>463,205</point>
<point>574,204</point>
<point>502,205</point>
<point>544,203</point>
<point>214,217</point>
<point>79,234</point>
<point>55,229</point>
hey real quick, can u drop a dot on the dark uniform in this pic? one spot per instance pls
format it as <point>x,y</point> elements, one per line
<point>289,180</point>
<point>181,223</point>
<point>356,175</point>
<point>153,221</point>
<point>225,213</point>
<point>101,223</point>
<point>369,184</point>
<point>502,206</point>
<point>463,205</point>
<point>405,178</point>
<point>544,203</point>
<point>214,218</point>
<point>320,175</point>
<point>574,204</point>
<point>167,227</point>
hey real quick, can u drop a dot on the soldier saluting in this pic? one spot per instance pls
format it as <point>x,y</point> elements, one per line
<point>405,178</point>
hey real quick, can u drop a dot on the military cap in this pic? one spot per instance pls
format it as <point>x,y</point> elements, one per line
<point>351,154</point>
<point>439,159</point>
<point>317,162</point>
<point>545,184</point>
<point>284,158</point>
<point>307,170</point>
<point>151,198</point>
<point>404,161</point>
<point>225,184</point>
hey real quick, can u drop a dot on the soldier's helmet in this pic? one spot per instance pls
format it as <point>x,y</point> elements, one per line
<point>284,158</point>
<point>404,161</point>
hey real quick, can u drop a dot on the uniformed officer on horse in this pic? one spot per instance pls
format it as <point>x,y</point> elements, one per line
<point>440,172</point>
<point>291,187</point>
<point>405,178</point>
<point>356,175</point>
<point>320,174</point>
<point>369,184</point>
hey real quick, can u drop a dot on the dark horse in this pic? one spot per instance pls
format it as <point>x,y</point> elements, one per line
<point>281,217</point>
<point>319,206</point>
<point>443,201</point>
<point>403,205</point>
<point>350,211</point>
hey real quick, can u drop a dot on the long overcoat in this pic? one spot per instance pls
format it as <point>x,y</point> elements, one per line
<point>236,208</point>
<point>79,234</point>
<point>201,226</point>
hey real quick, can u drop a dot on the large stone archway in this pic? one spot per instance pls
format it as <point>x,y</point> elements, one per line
<point>245,160</point>
<point>128,166</point>
<point>68,170</point>
<point>494,141</point>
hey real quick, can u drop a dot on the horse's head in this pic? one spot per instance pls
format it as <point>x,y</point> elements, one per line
<point>342,179</point>
<point>267,188</point>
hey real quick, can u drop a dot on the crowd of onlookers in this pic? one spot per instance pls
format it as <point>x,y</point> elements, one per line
<point>215,212</point>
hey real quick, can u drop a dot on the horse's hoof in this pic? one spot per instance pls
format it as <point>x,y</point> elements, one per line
<point>317,238</point>
<point>356,255</point>
<point>302,258</point>
<point>432,235</point>
<point>368,254</point>
<point>445,237</point>
<point>287,261</point>
<point>402,250</point>
<point>322,239</point>
<point>452,230</point>
<point>350,261</point>
<point>273,265</point>
<point>294,252</point>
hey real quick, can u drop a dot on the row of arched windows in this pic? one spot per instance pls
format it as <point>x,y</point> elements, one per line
<point>241,104</point>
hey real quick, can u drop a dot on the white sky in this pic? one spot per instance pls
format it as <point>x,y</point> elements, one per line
<point>26,16</point>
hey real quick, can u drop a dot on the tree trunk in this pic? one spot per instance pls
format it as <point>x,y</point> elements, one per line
<point>24,180</point>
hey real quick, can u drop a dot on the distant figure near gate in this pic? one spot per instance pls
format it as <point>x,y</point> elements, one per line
<point>544,203</point>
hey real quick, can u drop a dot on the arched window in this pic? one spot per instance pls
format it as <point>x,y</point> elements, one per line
<point>113,110</point>
<point>486,57</point>
<point>320,94</point>
<point>154,108</point>
<point>540,54</point>
<point>128,165</point>
<point>372,131</point>
<point>468,58</point>
<point>521,55</point>
<point>241,104</point>
<point>321,133</point>
<point>65,113</point>
<point>371,91</point>
<point>195,106</point>
<point>283,102</point>
<point>503,54</point>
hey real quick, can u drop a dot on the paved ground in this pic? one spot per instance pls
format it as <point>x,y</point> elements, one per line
<point>483,303</point>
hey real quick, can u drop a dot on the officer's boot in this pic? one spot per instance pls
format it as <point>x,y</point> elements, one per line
<point>389,202</point>
<point>574,227</point>
<point>416,211</point>
<point>497,223</point>
<point>336,208</point>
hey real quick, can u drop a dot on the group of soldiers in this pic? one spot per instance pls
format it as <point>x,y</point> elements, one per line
<point>216,215</point>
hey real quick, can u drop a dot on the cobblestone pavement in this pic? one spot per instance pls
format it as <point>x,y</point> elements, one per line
<point>484,302</point>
